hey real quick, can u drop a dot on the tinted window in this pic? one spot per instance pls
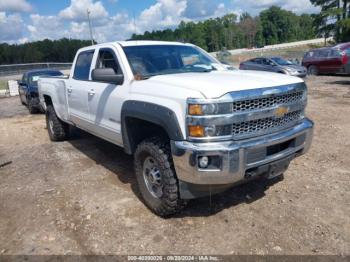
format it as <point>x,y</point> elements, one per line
<point>257,60</point>
<point>281,61</point>
<point>82,66</point>
<point>267,62</point>
<point>310,54</point>
<point>323,53</point>
<point>34,77</point>
<point>106,59</point>
<point>335,53</point>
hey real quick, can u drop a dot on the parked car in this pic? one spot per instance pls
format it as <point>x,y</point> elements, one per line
<point>28,88</point>
<point>274,64</point>
<point>325,60</point>
<point>195,128</point>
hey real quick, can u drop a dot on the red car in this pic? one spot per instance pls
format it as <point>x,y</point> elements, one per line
<point>334,59</point>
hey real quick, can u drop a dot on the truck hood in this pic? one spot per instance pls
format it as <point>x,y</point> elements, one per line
<point>217,83</point>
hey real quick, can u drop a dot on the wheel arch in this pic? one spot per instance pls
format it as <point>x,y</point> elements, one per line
<point>140,120</point>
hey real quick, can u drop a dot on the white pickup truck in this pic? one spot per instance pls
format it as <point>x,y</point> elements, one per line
<point>194,126</point>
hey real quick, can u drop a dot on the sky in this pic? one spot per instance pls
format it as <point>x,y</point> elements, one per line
<point>30,20</point>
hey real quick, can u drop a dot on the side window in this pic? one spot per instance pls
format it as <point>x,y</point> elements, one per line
<point>267,62</point>
<point>106,59</point>
<point>335,53</point>
<point>82,66</point>
<point>258,61</point>
<point>323,53</point>
<point>309,54</point>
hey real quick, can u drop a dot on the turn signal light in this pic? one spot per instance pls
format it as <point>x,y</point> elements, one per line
<point>195,109</point>
<point>196,131</point>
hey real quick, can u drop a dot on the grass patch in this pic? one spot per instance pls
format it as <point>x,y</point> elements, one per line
<point>289,53</point>
<point>3,84</point>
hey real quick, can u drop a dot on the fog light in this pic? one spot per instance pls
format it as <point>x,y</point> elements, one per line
<point>203,161</point>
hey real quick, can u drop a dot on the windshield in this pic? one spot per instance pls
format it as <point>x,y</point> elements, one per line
<point>33,79</point>
<point>281,61</point>
<point>151,60</point>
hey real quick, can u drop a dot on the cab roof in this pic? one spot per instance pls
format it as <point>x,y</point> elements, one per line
<point>137,43</point>
<point>148,42</point>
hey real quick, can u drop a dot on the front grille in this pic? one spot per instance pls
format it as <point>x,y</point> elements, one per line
<point>265,125</point>
<point>266,102</point>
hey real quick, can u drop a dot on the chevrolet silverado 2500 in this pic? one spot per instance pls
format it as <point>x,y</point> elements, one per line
<point>194,126</point>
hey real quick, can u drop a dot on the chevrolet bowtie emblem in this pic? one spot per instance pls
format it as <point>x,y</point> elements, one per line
<point>281,111</point>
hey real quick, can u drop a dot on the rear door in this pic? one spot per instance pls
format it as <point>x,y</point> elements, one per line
<point>105,99</point>
<point>323,61</point>
<point>77,89</point>
<point>254,64</point>
<point>334,60</point>
<point>268,65</point>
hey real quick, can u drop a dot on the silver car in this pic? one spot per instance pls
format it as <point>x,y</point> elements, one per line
<point>274,64</point>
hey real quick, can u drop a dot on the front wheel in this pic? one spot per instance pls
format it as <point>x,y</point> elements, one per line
<point>57,129</point>
<point>312,70</point>
<point>156,177</point>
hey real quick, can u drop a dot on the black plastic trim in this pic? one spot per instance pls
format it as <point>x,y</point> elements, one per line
<point>152,113</point>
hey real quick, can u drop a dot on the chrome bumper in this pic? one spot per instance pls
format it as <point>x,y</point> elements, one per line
<point>238,157</point>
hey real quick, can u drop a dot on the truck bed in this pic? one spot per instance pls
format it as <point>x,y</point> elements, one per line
<point>54,87</point>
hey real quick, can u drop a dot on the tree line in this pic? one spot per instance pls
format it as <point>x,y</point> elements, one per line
<point>333,19</point>
<point>272,26</point>
<point>62,50</point>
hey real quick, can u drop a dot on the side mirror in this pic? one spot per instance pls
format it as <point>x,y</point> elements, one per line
<point>20,83</point>
<point>107,75</point>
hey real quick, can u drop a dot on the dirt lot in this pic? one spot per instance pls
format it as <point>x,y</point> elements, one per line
<point>80,196</point>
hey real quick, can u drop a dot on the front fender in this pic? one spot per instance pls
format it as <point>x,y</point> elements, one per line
<point>152,113</point>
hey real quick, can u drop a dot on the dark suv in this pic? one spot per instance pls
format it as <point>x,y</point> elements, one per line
<point>334,59</point>
<point>28,88</point>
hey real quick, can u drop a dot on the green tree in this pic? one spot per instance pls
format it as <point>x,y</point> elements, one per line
<point>334,18</point>
<point>62,50</point>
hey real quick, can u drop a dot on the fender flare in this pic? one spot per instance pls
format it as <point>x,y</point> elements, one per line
<point>152,113</point>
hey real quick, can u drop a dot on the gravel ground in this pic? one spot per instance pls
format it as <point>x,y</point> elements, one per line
<point>80,196</point>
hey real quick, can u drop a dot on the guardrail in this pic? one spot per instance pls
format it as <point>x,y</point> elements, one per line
<point>278,46</point>
<point>17,69</point>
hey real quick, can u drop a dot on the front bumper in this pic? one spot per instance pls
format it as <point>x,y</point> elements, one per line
<point>239,158</point>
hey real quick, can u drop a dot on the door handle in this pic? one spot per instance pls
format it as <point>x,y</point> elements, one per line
<point>91,92</point>
<point>69,90</point>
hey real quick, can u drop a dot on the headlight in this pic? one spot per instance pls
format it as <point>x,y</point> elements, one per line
<point>291,70</point>
<point>209,109</point>
<point>209,131</point>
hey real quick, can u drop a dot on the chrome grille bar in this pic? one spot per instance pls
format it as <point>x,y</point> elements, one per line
<point>254,112</point>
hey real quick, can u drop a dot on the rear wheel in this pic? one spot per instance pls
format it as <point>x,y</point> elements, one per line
<point>57,129</point>
<point>312,70</point>
<point>156,177</point>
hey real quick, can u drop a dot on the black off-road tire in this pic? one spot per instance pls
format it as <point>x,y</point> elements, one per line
<point>59,131</point>
<point>159,149</point>
<point>312,70</point>
<point>32,108</point>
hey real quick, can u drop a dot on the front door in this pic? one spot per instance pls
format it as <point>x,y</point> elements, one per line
<point>77,89</point>
<point>105,99</point>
